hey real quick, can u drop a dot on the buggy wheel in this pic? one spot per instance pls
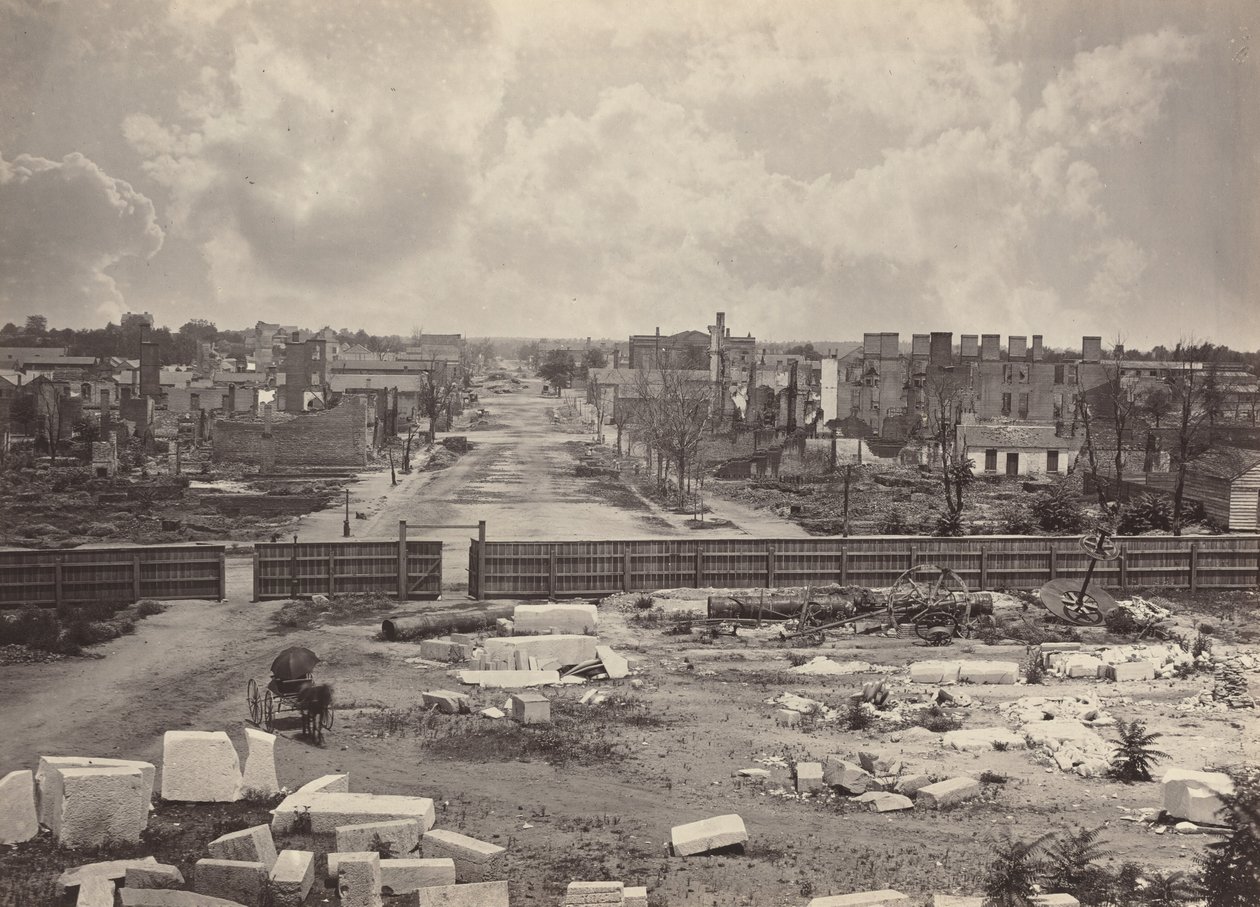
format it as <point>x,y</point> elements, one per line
<point>925,589</point>
<point>269,712</point>
<point>936,628</point>
<point>251,701</point>
<point>326,720</point>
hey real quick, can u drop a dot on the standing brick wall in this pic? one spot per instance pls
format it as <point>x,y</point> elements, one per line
<point>337,437</point>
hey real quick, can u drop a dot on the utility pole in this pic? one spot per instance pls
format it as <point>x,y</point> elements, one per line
<point>848,475</point>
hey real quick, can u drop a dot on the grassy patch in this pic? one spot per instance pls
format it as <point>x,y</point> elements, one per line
<point>67,629</point>
<point>303,614</point>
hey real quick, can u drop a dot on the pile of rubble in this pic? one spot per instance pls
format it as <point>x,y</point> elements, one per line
<point>1063,732</point>
<point>1230,687</point>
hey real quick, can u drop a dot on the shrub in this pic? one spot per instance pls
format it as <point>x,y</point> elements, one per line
<point>644,602</point>
<point>796,659</point>
<point>1018,520</point>
<point>1035,671</point>
<point>1072,865</point>
<point>988,777</point>
<point>1149,512</point>
<point>148,607</point>
<point>1231,867</point>
<point>1135,752</point>
<point>858,717</point>
<point>1056,510</point>
<point>935,719</point>
<point>1120,621</point>
<point>893,522</point>
<point>1016,867</point>
<point>949,525</point>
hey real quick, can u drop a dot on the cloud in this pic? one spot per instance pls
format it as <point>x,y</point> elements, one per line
<point>63,226</point>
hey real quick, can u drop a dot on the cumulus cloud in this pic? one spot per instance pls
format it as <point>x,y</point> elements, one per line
<point>63,226</point>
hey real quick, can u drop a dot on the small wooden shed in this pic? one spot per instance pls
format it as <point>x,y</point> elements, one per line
<point>1226,480</point>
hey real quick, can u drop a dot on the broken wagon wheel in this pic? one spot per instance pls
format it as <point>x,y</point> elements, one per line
<point>252,702</point>
<point>925,588</point>
<point>936,628</point>
<point>326,719</point>
<point>1099,546</point>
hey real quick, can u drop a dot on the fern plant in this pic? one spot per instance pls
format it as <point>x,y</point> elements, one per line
<point>1072,865</point>
<point>1231,867</point>
<point>1170,890</point>
<point>1016,867</point>
<point>1135,752</point>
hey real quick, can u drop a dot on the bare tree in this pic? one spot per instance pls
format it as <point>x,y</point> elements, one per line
<point>49,424</point>
<point>948,393</point>
<point>673,413</point>
<point>436,392</point>
<point>1107,413</point>
<point>1197,399</point>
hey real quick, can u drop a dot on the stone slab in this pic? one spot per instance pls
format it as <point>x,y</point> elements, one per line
<point>530,708</point>
<point>161,897</point>
<point>957,900</point>
<point>249,845</point>
<point>809,777</point>
<point>509,680</point>
<point>947,793</point>
<point>447,702</point>
<point>200,767</point>
<point>292,877</point>
<point>326,784</point>
<point>1130,671</point>
<point>911,784</point>
<point>18,821</point>
<point>849,776</point>
<point>861,899</point>
<point>708,834</point>
<point>402,836</point>
<point>158,875</point>
<point>1061,899</point>
<point>1194,796</point>
<point>48,781</point>
<point>475,861</point>
<point>555,618</point>
<point>582,894</point>
<point>615,666</point>
<point>100,806</point>
<point>95,892</point>
<point>935,671</point>
<point>233,880</point>
<point>477,894</point>
<point>995,672</point>
<point>402,876</point>
<point>259,776</point>
<point>568,649</point>
<point>359,879</point>
<point>114,870</point>
<point>1082,665</point>
<point>981,738</point>
<point>636,896</point>
<point>887,803</point>
<point>329,810</point>
<point>445,649</point>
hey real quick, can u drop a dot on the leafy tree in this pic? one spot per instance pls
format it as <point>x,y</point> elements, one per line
<point>22,412</point>
<point>593,358</point>
<point>558,368</point>
<point>1231,867</point>
<point>36,325</point>
<point>1056,509</point>
<point>1016,867</point>
<point>436,392</point>
<point>527,353</point>
<point>1072,865</point>
<point>1135,752</point>
<point>1197,399</point>
<point>1154,403</point>
<point>1149,511</point>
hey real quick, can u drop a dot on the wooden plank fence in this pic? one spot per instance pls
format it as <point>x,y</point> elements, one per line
<point>122,575</point>
<point>286,570</point>
<point>515,569</point>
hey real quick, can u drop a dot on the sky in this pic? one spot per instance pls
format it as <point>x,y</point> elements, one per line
<point>563,168</point>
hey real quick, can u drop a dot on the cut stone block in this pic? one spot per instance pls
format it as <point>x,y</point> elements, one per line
<point>249,845</point>
<point>1131,671</point>
<point>233,880</point>
<point>326,784</point>
<point>446,649</point>
<point>1055,900</point>
<point>493,713</point>
<point>912,784</point>
<point>636,897</point>
<point>988,672</point>
<point>1082,665</point>
<point>447,702</point>
<point>531,708</point>
<point>477,894</point>
<point>292,877</point>
<point>809,777</point>
<point>100,806</point>
<point>95,892</point>
<point>402,876</point>
<point>48,779</point>
<point>708,834</point>
<point>594,894</point>
<point>787,718</point>
<point>1195,796</point>
<point>566,649</point>
<point>17,808</point>
<point>849,776</point>
<point>554,618</point>
<point>475,861</point>
<point>947,793</point>
<point>157,875</point>
<point>401,835</point>
<point>160,897</point>
<point>260,763</point>
<point>114,870</point>
<point>935,671</point>
<point>982,738</point>
<point>509,680</point>
<point>615,666</point>
<point>861,899</point>
<point>887,803</point>
<point>329,810</point>
<point>200,767</point>
<point>956,900</point>
<point>359,879</point>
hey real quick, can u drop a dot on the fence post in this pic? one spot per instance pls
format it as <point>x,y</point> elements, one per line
<point>222,576</point>
<point>844,566</point>
<point>984,566</point>
<point>769,566</point>
<point>57,578</point>
<point>332,570</point>
<point>914,556</point>
<point>1054,562</point>
<point>1194,566</point>
<point>699,565</point>
<point>135,576</point>
<point>481,561</point>
<point>551,571</point>
<point>293,570</point>
<point>1124,567</point>
<point>625,568</point>
<point>402,560</point>
<point>257,578</point>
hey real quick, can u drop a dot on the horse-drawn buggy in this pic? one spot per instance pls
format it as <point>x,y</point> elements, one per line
<point>292,689</point>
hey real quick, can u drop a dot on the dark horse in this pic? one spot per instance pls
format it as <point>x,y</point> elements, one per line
<point>314,702</point>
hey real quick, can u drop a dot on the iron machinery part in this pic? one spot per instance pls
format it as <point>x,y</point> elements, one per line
<point>1099,546</point>
<point>936,628</point>
<point>929,590</point>
<point>1064,599</point>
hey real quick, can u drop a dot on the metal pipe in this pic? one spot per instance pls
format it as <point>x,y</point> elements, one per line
<point>435,623</point>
